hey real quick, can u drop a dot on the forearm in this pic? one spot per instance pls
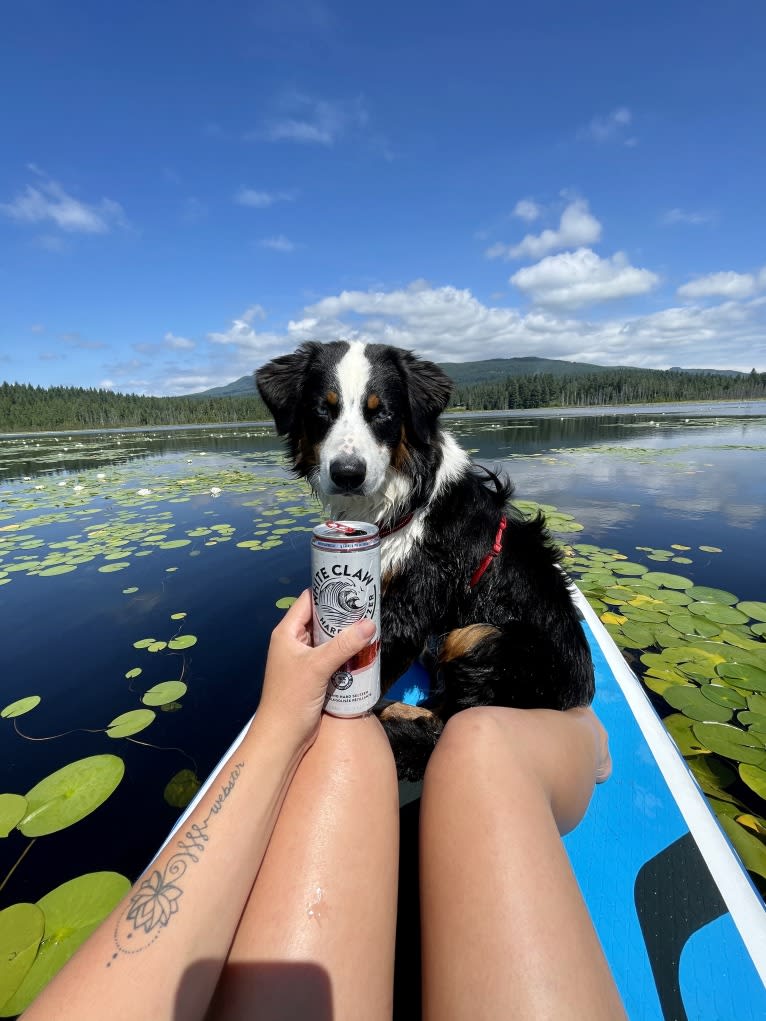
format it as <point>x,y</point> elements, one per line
<point>186,906</point>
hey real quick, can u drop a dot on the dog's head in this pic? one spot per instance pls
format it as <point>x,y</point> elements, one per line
<point>353,413</point>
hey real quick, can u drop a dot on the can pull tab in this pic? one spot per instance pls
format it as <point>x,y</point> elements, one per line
<point>343,528</point>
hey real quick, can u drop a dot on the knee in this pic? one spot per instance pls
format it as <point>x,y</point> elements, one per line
<point>358,747</point>
<point>477,742</point>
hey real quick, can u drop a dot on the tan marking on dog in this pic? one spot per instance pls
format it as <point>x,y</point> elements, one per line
<point>332,397</point>
<point>308,453</point>
<point>401,452</point>
<point>373,402</point>
<point>463,639</point>
<point>402,711</point>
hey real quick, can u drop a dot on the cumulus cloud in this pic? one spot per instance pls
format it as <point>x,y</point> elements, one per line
<point>724,285</point>
<point>312,121</point>
<point>261,199</point>
<point>178,343</point>
<point>48,202</point>
<point>610,126</point>
<point>577,227</point>
<point>573,279</point>
<point>527,209</point>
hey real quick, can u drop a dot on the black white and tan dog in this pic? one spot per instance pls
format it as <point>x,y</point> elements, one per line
<point>460,565</point>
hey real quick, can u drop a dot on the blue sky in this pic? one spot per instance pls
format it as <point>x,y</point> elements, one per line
<point>188,189</point>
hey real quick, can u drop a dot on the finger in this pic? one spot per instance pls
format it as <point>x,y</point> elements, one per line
<point>298,616</point>
<point>333,654</point>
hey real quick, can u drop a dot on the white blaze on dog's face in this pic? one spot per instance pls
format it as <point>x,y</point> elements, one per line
<point>352,458</point>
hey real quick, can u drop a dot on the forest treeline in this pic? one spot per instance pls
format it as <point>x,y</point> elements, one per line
<point>26,408</point>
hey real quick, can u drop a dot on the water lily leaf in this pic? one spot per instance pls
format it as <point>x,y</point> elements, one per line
<point>629,569</point>
<point>111,568</point>
<point>723,696</point>
<point>754,823</point>
<point>21,929</point>
<point>144,643</point>
<point>755,610</point>
<point>731,742</point>
<point>156,647</point>
<point>133,673</point>
<point>751,850</point>
<point>710,549</point>
<point>177,616</point>
<point>130,723</point>
<point>705,594</point>
<point>755,778</point>
<point>744,675</point>
<point>181,788</point>
<point>13,808</point>
<point>671,581</point>
<point>678,546</point>
<point>49,572</point>
<point>72,792</point>
<point>72,911</point>
<point>756,703</point>
<point>167,691</point>
<point>182,642</point>
<point>694,626</point>
<point>285,602</point>
<point>637,637</point>
<point>692,703</point>
<point>717,612</point>
<point>757,629</point>
<point>713,775</point>
<point>20,706</point>
<point>680,729</point>
<point>756,722</point>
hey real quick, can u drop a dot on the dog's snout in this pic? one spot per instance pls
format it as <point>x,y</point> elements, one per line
<point>348,472</point>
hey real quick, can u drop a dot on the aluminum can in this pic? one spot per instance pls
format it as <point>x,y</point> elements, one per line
<point>345,584</point>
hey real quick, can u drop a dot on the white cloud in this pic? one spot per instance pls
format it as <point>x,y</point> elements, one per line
<point>48,202</point>
<point>278,244</point>
<point>723,285</point>
<point>573,279</point>
<point>527,209</point>
<point>308,120</point>
<point>577,227</point>
<point>693,217</point>
<point>261,199</point>
<point>610,126</point>
<point>178,343</point>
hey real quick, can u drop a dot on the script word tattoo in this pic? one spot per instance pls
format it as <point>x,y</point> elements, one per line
<point>156,899</point>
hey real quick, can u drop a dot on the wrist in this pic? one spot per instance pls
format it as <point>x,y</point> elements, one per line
<point>274,740</point>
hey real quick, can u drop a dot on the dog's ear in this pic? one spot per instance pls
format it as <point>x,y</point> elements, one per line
<point>280,383</point>
<point>429,390</point>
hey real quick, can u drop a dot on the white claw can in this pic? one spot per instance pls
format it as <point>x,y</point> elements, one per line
<point>345,584</point>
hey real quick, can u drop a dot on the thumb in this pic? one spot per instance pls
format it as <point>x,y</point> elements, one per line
<point>333,654</point>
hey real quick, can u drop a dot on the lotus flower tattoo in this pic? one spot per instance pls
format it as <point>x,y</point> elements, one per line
<point>154,904</point>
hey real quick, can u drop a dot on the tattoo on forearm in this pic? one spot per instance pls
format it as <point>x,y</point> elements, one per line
<point>157,898</point>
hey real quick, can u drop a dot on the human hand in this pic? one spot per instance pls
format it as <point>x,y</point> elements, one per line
<point>297,674</point>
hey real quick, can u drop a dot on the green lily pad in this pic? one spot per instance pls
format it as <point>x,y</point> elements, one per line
<point>694,626</point>
<point>755,778</point>
<point>755,610</point>
<point>72,792</point>
<point>705,594</point>
<point>181,788</point>
<point>133,673</point>
<point>756,703</point>
<point>130,723</point>
<point>182,642</point>
<point>177,616</point>
<point>692,703</point>
<point>671,581</point>
<point>20,706</point>
<point>629,570</point>
<point>49,572</point>
<point>710,549</point>
<point>156,647</point>
<point>130,591</point>
<point>21,929</point>
<point>757,629</point>
<point>756,721</point>
<point>743,675</point>
<point>72,911</point>
<point>111,568</point>
<point>166,691</point>
<point>713,775</point>
<point>13,808</point>
<point>751,850</point>
<point>680,729</point>
<point>723,696</point>
<point>717,612</point>
<point>731,742</point>
<point>144,643</point>
<point>285,602</point>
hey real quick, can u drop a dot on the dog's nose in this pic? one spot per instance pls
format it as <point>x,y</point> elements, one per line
<point>348,472</point>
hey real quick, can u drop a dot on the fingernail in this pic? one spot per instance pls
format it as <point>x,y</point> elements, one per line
<point>366,628</point>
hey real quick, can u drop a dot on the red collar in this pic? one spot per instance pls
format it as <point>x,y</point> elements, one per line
<point>385,530</point>
<point>496,548</point>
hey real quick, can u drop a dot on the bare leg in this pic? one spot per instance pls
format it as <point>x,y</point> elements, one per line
<point>506,933</point>
<point>316,939</point>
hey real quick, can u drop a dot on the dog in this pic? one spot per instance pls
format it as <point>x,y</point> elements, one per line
<point>460,565</point>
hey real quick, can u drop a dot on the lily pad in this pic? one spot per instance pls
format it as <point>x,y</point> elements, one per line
<point>720,613</point>
<point>177,616</point>
<point>671,581</point>
<point>20,706</point>
<point>182,642</point>
<point>710,549</point>
<point>680,729</point>
<point>743,675</point>
<point>13,808</point>
<point>692,703</point>
<point>72,792</point>
<point>72,911</point>
<point>731,742</point>
<point>285,602</point>
<point>181,788</point>
<point>755,778</point>
<point>694,626</point>
<point>166,691</point>
<point>705,594</point>
<point>21,929</point>
<point>133,673</point>
<point>723,696</point>
<point>751,850</point>
<point>130,723</point>
<point>753,609</point>
<point>144,643</point>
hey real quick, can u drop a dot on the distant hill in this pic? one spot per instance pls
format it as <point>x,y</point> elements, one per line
<point>708,372</point>
<point>490,370</point>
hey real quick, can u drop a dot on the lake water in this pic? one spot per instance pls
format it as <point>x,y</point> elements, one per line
<point>105,536</point>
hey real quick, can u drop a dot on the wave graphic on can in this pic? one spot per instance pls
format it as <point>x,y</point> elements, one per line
<point>339,603</point>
